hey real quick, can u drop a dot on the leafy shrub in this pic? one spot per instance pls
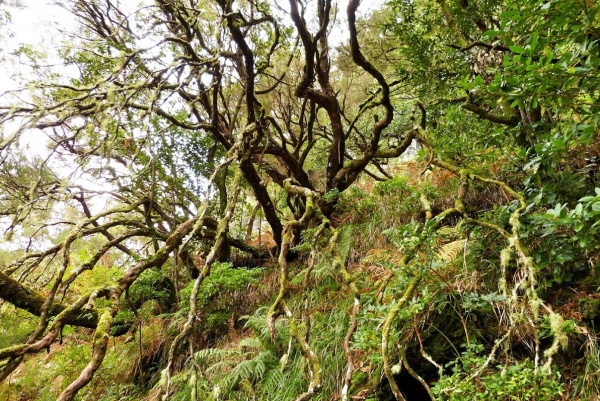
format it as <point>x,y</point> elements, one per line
<point>516,382</point>
<point>152,284</point>
<point>223,279</point>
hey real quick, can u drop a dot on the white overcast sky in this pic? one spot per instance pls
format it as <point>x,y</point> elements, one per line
<point>34,24</point>
<point>38,22</point>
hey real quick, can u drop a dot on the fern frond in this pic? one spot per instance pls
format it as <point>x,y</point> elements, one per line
<point>260,368</point>
<point>245,369</point>
<point>221,367</point>
<point>250,342</point>
<point>242,371</point>
<point>447,231</point>
<point>323,271</point>
<point>272,381</point>
<point>213,354</point>
<point>258,323</point>
<point>450,251</point>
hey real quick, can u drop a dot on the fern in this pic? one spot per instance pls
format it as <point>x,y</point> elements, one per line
<point>324,270</point>
<point>272,381</point>
<point>346,241</point>
<point>447,231</point>
<point>258,323</point>
<point>250,342</point>
<point>237,370</point>
<point>221,367</point>
<point>250,370</point>
<point>450,251</point>
<point>207,355</point>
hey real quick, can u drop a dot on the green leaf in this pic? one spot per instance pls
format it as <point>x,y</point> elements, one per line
<point>559,143</point>
<point>533,39</point>
<point>491,34</point>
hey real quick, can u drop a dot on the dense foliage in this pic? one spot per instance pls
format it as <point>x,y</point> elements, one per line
<point>251,200</point>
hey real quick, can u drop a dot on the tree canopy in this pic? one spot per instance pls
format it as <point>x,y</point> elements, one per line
<point>233,186</point>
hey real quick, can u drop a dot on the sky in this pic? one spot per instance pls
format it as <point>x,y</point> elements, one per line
<point>35,24</point>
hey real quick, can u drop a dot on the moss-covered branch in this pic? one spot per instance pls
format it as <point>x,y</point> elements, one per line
<point>414,374</point>
<point>350,282</point>
<point>221,236</point>
<point>31,301</point>
<point>287,238</point>
<point>33,346</point>
<point>313,361</point>
<point>100,343</point>
<point>279,306</point>
<point>528,279</point>
<point>385,334</point>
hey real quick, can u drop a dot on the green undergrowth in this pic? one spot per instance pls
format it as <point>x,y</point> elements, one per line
<point>463,333</point>
<point>519,381</point>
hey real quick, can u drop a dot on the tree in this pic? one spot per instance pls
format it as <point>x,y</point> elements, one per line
<point>180,110</point>
<point>167,97</point>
